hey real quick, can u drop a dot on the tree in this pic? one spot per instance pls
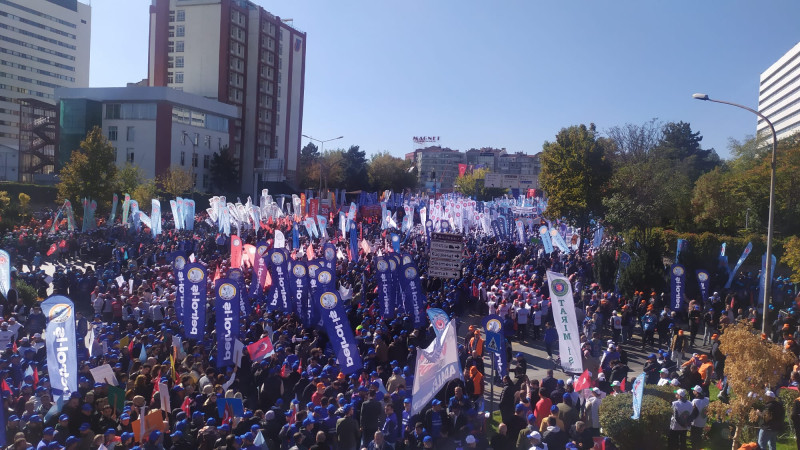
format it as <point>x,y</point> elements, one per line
<point>682,146</point>
<point>224,171</point>
<point>328,168</point>
<point>145,193</point>
<point>388,172</point>
<point>24,201</point>
<point>91,171</point>
<point>129,177</point>
<point>575,173</point>
<point>473,185</point>
<point>305,164</point>
<point>752,364</point>
<point>355,169</point>
<point>716,202</point>
<point>175,181</point>
<point>791,257</point>
<point>634,142</point>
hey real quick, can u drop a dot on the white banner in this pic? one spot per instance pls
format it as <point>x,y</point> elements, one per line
<point>569,342</point>
<point>436,365</point>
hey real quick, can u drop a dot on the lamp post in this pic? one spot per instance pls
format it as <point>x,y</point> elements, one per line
<point>321,150</point>
<point>767,275</point>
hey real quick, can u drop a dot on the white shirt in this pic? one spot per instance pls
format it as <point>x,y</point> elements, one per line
<point>680,408</point>
<point>593,411</point>
<point>522,315</point>
<point>5,338</point>
<point>701,404</point>
<point>537,317</point>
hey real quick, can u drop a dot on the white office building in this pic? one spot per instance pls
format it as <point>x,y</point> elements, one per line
<point>44,44</point>
<point>779,95</point>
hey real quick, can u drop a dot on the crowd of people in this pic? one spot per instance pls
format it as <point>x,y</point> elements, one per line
<point>297,397</point>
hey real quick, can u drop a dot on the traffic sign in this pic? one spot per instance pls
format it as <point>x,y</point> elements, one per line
<point>494,342</point>
<point>446,255</point>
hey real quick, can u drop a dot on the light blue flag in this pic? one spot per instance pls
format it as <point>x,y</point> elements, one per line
<point>143,354</point>
<point>638,393</point>
<point>746,252</point>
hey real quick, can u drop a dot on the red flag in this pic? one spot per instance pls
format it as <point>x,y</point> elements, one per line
<point>5,387</point>
<point>622,385</point>
<point>35,376</point>
<point>462,170</point>
<point>53,248</point>
<point>260,349</point>
<point>185,406</point>
<point>236,252</point>
<point>63,243</point>
<point>14,346</point>
<point>310,252</point>
<point>584,381</point>
<point>227,418</point>
<point>217,276</point>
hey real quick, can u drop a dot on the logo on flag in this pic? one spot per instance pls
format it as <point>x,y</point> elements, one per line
<point>677,271</point>
<point>702,276</point>
<point>560,288</point>
<point>180,261</point>
<point>195,275</point>
<point>328,300</point>
<point>410,272</point>
<point>227,291</point>
<point>277,258</point>
<point>260,349</point>
<point>324,277</point>
<point>299,270</point>
<point>383,266</point>
<point>60,313</point>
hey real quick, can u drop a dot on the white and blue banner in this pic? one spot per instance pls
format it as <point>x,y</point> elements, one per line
<point>638,394</point>
<point>563,304</point>
<point>703,279</point>
<point>278,295</point>
<point>60,341</point>
<point>439,320</point>
<point>546,242</point>
<point>334,320</point>
<point>677,287</point>
<point>745,253</point>
<point>113,215</point>
<point>386,294</point>
<point>5,273</point>
<point>155,218</point>
<point>598,237</point>
<point>194,312</point>
<point>683,244</point>
<point>436,365</point>
<point>558,239</point>
<point>226,306</point>
<point>300,291</point>
<point>177,218</point>
<point>178,264</point>
<point>414,298</point>
<point>188,214</point>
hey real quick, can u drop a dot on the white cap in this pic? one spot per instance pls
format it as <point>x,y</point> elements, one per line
<point>675,382</point>
<point>681,393</point>
<point>535,435</point>
<point>470,439</point>
<point>664,370</point>
<point>698,389</point>
<point>614,384</point>
<point>769,394</point>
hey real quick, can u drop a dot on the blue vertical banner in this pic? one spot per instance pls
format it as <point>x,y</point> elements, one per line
<point>334,320</point>
<point>61,345</point>
<point>638,394</point>
<point>760,300</point>
<point>683,244</point>
<point>329,258</point>
<point>745,253</point>
<point>237,276</point>
<point>414,298</point>
<point>312,267</point>
<point>194,313</point>
<point>703,280</point>
<point>295,237</point>
<point>385,288</point>
<point>394,270</point>
<point>677,287</point>
<point>299,290</point>
<point>178,264</point>
<point>259,276</point>
<point>624,262</point>
<point>278,295</point>
<point>226,306</point>
<point>354,244</point>
<point>546,242</point>
<point>5,273</point>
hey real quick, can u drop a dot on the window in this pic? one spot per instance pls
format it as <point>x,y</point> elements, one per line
<point>181,15</point>
<point>194,159</point>
<point>205,181</point>
<point>208,141</point>
<point>115,153</point>
<point>180,31</point>
<point>206,161</point>
<point>170,79</point>
<point>112,134</point>
<point>179,77</point>
<point>130,134</point>
<point>194,180</point>
<point>178,46</point>
<point>183,158</point>
<point>112,111</point>
<point>179,62</point>
<point>129,155</point>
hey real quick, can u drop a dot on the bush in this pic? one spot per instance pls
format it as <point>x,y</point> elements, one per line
<point>666,393</point>
<point>27,293</point>
<point>652,426</point>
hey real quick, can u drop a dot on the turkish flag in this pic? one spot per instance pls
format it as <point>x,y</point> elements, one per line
<point>310,252</point>
<point>185,406</point>
<point>260,349</point>
<point>584,381</point>
<point>236,252</point>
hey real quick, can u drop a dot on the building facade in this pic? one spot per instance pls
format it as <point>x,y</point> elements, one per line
<point>779,95</point>
<point>437,166</point>
<point>240,54</point>
<point>44,44</point>
<point>153,128</point>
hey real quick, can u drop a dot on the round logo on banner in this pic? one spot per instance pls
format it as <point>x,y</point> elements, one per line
<point>277,258</point>
<point>494,326</point>
<point>227,291</point>
<point>60,313</point>
<point>261,249</point>
<point>383,266</point>
<point>406,260</point>
<point>2,260</point>
<point>236,242</point>
<point>677,271</point>
<point>330,255</point>
<point>392,264</point>
<point>324,277</point>
<point>299,270</point>
<point>180,261</point>
<point>328,300</point>
<point>542,229</point>
<point>410,273</point>
<point>560,288</point>
<point>195,275</point>
<point>312,269</point>
<point>702,276</point>
<point>395,238</point>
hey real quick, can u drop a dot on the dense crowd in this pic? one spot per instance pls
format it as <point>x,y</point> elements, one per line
<point>297,397</point>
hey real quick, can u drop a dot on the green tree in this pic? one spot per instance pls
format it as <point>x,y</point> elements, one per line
<point>129,177</point>
<point>145,193</point>
<point>682,146</point>
<point>328,168</point>
<point>716,202</point>
<point>305,164</point>
<point>24,202</point>
<point>175,181</point>
<point>224,171</point>
<point>355,169</point>
<point>791,257</point>
<point>91,171</point>
<point>473,185</point>
<point>388,172</point>
<point>575,174</point>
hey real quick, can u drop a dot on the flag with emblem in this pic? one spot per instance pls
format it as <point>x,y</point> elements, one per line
<point>260,349</point>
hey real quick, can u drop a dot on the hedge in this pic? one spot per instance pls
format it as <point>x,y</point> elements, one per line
<point>652,426</point>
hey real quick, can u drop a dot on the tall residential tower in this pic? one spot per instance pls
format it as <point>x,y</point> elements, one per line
<point>779,95</point>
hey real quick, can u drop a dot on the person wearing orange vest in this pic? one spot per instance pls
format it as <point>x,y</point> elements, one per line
<point>476,343</point>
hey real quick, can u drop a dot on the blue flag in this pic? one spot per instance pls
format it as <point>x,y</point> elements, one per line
<point>746,252</point>
<point>278,295</point>
<point>295,237</point>
<point>61,345</point>
<point>354,244</point>
<point>677,287</point>
<point>638,394</point>
<point>226,306</point>
<point>178,262</point>
<point>194,317</point>
<point>386,295</point>
<point>299,290</point>
<point>414,299</point>
<point>439,320</point>
<point>682,245</point>
<point>703,280</point>
<point>334,320</point>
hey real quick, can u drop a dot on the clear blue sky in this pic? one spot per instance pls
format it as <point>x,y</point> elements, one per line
<point>505,73</point>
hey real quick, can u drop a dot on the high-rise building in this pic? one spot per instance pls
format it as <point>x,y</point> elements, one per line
<point>44,45</point>
<point>779,95</point>
<point>237,53</point>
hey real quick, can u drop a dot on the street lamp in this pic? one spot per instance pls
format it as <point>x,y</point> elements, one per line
<point>321,150</point>
<point>767,275</point>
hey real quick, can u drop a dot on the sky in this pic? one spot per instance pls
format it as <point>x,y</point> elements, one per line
<point>504,73</point>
